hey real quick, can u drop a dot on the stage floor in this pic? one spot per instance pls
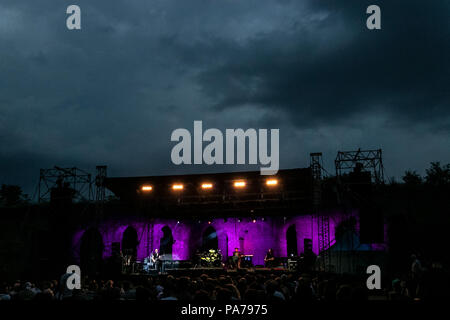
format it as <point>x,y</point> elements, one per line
<point>195,272</point>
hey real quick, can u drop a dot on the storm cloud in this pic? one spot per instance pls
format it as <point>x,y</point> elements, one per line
<point>113,92</point>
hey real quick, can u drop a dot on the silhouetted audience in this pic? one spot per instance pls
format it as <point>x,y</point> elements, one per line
<point>421,283</point>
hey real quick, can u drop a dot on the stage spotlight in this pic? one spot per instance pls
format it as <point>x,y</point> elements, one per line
<point>254,220</point>
<point>178,222</point>
<point>209,222</point>
<point>177,187</point>
<point>271,182</point>
<point>239,220</point>
<point>239,184</point>
<point>207,185</point>
<point>147,188</point>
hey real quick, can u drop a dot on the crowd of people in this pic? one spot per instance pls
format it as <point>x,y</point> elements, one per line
<point>418,284</point>
<point>245,287</point>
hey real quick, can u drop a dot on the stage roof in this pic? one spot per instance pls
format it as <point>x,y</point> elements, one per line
<point>288,188</point>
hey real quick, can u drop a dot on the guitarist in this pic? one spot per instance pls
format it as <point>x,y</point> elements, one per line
<point>156,259</point>
<point>269,260</point>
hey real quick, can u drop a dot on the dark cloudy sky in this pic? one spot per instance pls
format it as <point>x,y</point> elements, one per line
<point>113,92</point>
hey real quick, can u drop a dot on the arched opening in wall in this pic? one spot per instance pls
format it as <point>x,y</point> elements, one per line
<point>291,241</point>
<point>209,239</point>
<point>130,242</point>
<point>91,252</point>
<point>166,243</point>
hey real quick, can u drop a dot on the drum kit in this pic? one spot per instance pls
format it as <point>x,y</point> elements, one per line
<point>211,258</point>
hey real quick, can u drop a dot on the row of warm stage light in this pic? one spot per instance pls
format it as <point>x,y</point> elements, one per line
<point>238,184</point>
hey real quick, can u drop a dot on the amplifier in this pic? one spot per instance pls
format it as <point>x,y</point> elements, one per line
<point>292,265</point>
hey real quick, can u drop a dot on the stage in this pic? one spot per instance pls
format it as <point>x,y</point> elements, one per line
<point>181,223</point>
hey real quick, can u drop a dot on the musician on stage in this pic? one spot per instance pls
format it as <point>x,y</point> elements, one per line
<point>156,259</point>
<point>269,260</point>
<point>236,259</point>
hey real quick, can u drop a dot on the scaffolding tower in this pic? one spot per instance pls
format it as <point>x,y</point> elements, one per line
<point>79,183</point>
<point>100,191</point>
<point>365,159</point>
<point>358,192</point>
<point>323,220</point>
